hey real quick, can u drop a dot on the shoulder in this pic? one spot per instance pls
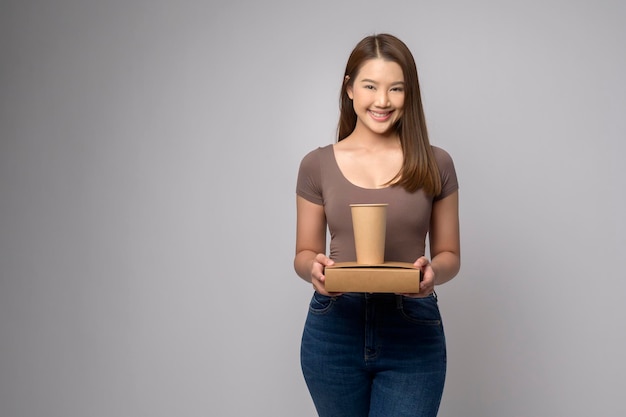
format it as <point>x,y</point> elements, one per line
<point>314,156</point>
<point>443,159</point>
<point>441,155</point>
<point>449,180</point>
<point>310,175</point>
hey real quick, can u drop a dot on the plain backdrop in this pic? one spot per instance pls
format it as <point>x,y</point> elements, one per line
<point>148,157</point>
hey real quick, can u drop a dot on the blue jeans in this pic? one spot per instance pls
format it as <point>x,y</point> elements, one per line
<point>374,355</point>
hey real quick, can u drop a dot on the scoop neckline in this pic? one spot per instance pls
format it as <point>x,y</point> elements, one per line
<point>336,164</point>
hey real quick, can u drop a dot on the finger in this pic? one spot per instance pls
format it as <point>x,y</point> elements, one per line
<point>421,262</point>
<point>319,287</point>
<point>427,285</point>
<point>317,275</point>
<point>323,259</point>
<point>427,281</point>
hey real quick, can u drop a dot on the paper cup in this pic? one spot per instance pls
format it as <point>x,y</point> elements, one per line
<point>370,224</point>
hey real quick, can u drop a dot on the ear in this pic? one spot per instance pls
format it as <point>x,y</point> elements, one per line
<point>349,89</point>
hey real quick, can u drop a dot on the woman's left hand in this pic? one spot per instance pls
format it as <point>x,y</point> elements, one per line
<point>427,283</point>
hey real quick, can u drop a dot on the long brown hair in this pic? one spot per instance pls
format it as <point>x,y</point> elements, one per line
<point>419,169</point>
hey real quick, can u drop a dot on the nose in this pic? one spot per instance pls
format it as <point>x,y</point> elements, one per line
<point>382,99</point>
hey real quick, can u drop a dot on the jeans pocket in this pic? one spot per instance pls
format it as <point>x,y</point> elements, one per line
<point>423,311</point>
<point>321,304</point>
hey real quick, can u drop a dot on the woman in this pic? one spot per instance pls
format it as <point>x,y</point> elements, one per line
<point>377,354</point>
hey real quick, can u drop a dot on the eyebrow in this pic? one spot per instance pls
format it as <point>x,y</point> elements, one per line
<point>367,80</point>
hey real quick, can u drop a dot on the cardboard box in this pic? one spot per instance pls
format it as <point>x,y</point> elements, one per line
<point>395,277</point>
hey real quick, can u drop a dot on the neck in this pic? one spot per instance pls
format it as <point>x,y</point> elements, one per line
<point>368,139</point>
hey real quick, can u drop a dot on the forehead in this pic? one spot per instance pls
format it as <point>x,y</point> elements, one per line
<point>379,69</point>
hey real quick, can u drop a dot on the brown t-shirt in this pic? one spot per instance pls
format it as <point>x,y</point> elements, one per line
<point>320,181</point>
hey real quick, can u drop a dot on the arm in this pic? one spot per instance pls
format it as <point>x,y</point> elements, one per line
<point>445,246</point>
<point>310,259</point>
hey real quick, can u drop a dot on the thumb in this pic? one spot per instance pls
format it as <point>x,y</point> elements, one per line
<point>324,260</point>
<point>421,262</point>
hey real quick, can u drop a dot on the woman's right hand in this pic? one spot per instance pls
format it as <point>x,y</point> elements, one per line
<point>319,264</point>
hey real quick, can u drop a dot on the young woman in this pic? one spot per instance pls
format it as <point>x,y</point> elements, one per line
<point>377,355</point>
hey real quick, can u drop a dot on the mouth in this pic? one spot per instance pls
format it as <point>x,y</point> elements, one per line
<point>380,116</point>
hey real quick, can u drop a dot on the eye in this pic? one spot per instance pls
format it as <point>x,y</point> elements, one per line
<point>369,87</point>
<point>398,89</point>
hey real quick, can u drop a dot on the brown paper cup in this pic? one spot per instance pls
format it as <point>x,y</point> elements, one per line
<point>370,223</point>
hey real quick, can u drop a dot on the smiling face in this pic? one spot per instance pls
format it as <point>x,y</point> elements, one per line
<point>377,95</point>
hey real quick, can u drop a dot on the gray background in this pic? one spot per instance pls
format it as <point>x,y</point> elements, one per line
<point>148,157</point>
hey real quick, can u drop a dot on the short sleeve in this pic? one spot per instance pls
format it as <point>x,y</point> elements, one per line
<point>308,185</point>
<point>449,181</point>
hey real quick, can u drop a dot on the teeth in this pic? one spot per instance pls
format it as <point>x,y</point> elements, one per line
<point>379,114</point>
